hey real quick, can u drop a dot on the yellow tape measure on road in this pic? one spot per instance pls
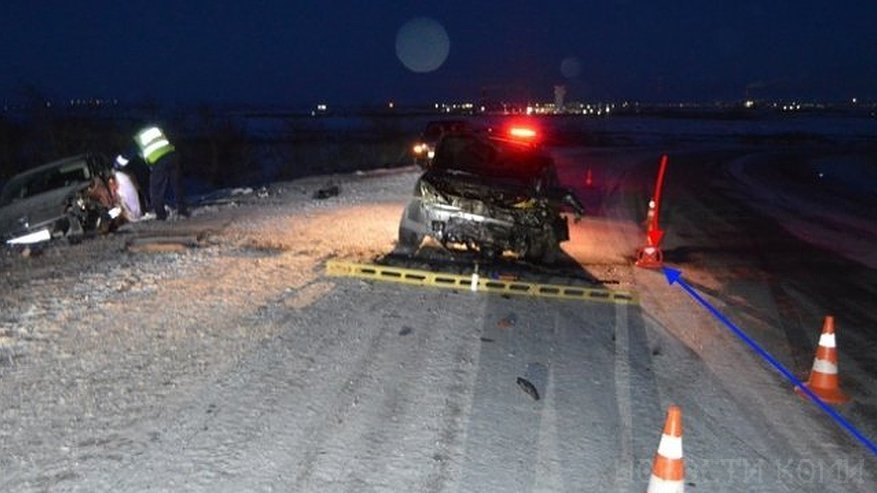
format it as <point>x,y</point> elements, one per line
<point>475,283</point>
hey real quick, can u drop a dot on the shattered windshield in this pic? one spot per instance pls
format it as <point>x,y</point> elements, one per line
<point>494,159</point>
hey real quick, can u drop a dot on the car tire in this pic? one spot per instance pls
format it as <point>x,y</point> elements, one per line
<point>550,254</point>
<point>75,231</point>
<point>490,254</point>
<point>409,241</point>
<point>544,248</point>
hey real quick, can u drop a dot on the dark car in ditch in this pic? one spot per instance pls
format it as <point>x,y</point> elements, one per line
<point>490,194</point>
<point>68,198</point>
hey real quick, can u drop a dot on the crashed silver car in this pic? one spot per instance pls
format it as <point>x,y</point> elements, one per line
<point>68,199</point>
<point>491,195</point>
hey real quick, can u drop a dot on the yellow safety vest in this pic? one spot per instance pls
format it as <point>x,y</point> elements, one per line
<point>153,144</point>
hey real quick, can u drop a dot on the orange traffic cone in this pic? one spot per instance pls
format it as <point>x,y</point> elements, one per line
<point>650,256</point>
<point>668,470</point>
<point>823,379</point>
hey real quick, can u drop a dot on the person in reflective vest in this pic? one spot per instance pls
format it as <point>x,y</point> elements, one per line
<point>161,157</point>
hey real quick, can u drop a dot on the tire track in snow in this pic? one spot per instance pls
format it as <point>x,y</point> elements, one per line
<point>395,422</point>
<point>503,426</point>
<point>549,475</point>
<point>625,467</point>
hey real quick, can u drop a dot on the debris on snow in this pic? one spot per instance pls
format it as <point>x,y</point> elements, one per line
<point>528,388</point>
<point>330,190</point>
<point>508,321</point>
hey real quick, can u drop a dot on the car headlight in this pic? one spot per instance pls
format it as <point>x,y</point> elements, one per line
<point>30,238</point>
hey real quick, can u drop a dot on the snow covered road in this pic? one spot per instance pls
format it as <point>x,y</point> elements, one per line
<point>239,366</point>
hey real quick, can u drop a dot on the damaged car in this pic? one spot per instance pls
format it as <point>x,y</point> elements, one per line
<point>69,198</point>
<point>424,148</point>
<point>490,194</point>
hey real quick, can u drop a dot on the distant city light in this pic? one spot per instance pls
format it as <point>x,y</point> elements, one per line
<point>489,103</point>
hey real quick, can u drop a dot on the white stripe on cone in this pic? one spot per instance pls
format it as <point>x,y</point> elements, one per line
<point>658,485</point>
<point>670,447</point>
<point>824,366</point>
<point>827,340</point>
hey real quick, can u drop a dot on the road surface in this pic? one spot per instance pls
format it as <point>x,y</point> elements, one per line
<point>238,365</point>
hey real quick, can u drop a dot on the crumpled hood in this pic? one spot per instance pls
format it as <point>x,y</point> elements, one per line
<point>37,209</point>
<point>499,192</point>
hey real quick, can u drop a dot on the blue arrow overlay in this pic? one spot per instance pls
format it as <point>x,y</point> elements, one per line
<point>675,277</point>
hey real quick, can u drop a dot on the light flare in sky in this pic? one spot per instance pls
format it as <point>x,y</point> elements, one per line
<point>422,45</point>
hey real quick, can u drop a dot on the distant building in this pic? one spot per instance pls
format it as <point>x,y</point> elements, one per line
<point>559,95</point>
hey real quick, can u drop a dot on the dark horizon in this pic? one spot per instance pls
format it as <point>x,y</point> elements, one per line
<point>304,53</point>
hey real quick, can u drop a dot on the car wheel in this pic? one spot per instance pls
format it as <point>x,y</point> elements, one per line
<point>534,250</point>
<point>409,241</point>
<point>74,232</point>
<point>543,249</point>
<point>551,250</point>
<point>490,254</point>
<point>550,254</point>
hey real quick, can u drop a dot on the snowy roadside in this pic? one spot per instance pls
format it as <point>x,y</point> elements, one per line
<point>745,237</point>
<point>94,336</point>
<point>818,214</point>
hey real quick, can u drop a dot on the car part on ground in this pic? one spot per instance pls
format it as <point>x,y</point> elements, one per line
<point>69,198</point>
<point>490,195</point>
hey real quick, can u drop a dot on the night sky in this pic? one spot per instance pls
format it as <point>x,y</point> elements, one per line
<point>345,52</point>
